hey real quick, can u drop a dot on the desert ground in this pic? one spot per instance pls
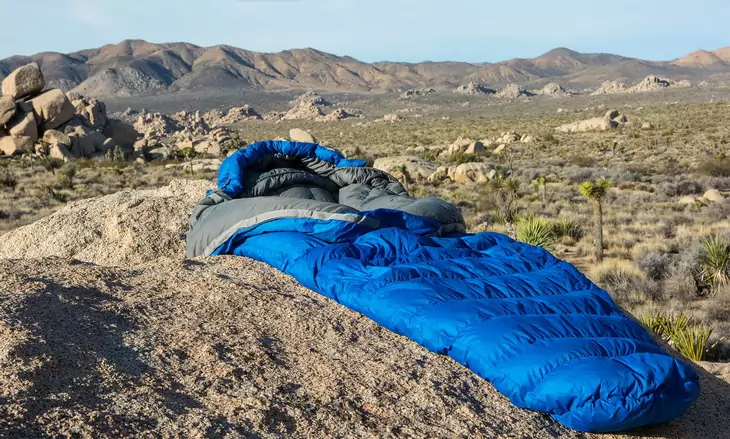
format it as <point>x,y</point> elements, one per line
<point>667,160</point>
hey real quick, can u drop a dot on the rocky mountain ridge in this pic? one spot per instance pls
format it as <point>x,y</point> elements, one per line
<point>135,67</point>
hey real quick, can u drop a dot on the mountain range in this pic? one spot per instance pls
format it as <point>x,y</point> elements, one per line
<point>135,67</point>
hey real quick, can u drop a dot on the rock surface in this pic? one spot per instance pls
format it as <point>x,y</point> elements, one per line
<point>415,166</point>
<point>474,89</point>
<point>13,145</point>
<point>53,109</point>
<point>23,81</point>
<point>513,91</point>
<point>7,109</point>
<point>225,347</point>
<point>299,135</point>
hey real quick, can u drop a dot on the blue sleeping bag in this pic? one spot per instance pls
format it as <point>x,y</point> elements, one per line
<point>532,325</point>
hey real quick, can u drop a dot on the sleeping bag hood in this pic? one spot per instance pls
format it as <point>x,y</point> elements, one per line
<point>532,325</point>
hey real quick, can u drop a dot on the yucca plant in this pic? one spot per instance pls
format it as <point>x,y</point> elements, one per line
<point>536,231</point>
<point>569,228</point>
<point>692,341</point>
<point>715,262</point>
<point>506,192</point>
<point>681,332</point>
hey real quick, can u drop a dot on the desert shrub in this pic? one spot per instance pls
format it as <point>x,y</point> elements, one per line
<point>8,179</point>
<point>715,166</point>
<point>688,337</point>
<point>460,158</point>
<point>681,285</point>
<point>536,231</point>
<point>50,164</point>
<point>612,273</point>
<point>715,262</point>
<point>582,161</point>
<point>624,282</point>
<point>568,228</point>
<point>65,177</point>
<point>654,264</point>
<point>717,212</point>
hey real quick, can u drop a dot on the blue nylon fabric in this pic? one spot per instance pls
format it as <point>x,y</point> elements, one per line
<point>532,325</point>
<point>230,174</point>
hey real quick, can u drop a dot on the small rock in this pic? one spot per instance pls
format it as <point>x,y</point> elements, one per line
<point>470,173</point>
<point>54,137</point>
<point>713,196</point>
<point>476,148</point>
<point>646,126</point>
<point>158,153</point>
<point>415,166</point>
<point>60,152</point>
<point>299,135</point>
<point>12,145</point>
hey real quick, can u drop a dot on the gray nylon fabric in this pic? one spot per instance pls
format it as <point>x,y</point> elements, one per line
<point>280,186</point>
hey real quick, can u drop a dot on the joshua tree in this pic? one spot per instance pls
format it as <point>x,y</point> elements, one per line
<point>506,193</point>
<point>540,185</point>
<point>596,192</point>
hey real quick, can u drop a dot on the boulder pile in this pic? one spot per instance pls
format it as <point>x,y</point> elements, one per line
<point>417,92</point>
<point>609,88</point>
<point>554,90</point>
<point>650,83</point>
<point>514,91</point>
<point>217,118</point>
<point>310,98</point>
<point>309,107</point>
<point>51,123</point>
<point>164,134</point>
<point>474,89</point>
<point>612,119</point>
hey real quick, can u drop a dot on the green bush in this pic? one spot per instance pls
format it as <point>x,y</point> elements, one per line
<point>715,262</point>
<point>65,177</point>
<point>568,228</point>
<point>689,338</point>
<point>716,167</point>
<point>536,231</point>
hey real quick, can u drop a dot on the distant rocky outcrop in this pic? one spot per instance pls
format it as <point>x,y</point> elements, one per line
<point>217,118</point>
<point>609,88</point>
<point>52,123</point>
<point>417,92</point>
<point>648,84</point>
<point>310,98</point>
<point>612,119</point>
<point>474,89</point>
<point>123,81</point>
<point>514,91</point>
<point>554,90</point>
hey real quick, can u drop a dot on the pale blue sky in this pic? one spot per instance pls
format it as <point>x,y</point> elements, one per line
<point>372,30</point>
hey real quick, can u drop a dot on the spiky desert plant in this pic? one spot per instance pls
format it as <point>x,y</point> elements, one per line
<point>540,185</point>
<point>596,192</point>
<point>506,193</point>
<point>689,338</point>
<point>692,341</point>
<point>569,228</point>
<point>536,231</point>
<point>715,262</point>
